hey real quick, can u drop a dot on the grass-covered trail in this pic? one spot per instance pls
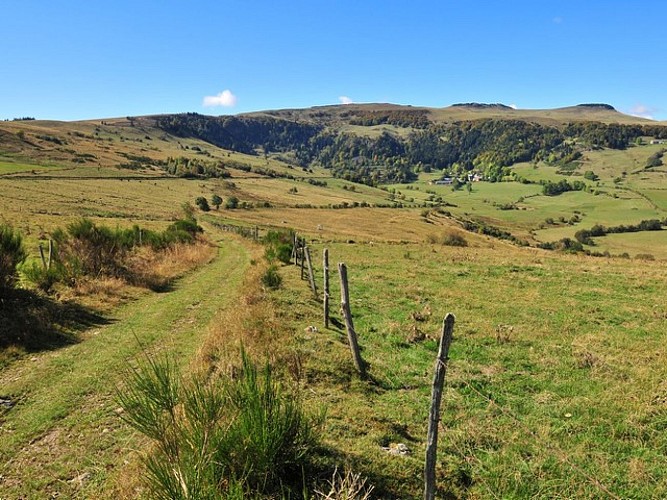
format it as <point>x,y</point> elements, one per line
<point>64,437</point>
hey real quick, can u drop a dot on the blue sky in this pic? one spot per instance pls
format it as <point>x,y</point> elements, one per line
<point>73,60</point>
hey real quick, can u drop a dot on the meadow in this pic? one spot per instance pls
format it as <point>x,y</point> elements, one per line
<point>555,386</point>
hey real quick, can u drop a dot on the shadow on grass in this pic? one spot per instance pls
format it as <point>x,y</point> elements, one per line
<point>385,484</point>
<point>32,322</point>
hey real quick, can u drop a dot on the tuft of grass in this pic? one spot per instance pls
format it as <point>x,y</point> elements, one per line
<point>347,486</point>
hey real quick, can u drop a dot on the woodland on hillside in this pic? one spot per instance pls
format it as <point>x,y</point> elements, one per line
<point>487,145</point>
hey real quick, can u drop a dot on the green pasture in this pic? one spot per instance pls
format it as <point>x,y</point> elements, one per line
<point>556,377</point>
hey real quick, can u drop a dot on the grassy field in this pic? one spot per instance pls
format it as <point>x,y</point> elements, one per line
<point>555,390</point>
<point>556,381</point>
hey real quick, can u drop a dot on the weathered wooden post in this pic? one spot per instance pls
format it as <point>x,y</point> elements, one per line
<point>41,253</point>
<point>347,316</point>
<point>295,242</point>
<point>48,262</point>
<point>325,302</point>
<point>311,274</point>
<point>302,256</point>
<point>434,414</point>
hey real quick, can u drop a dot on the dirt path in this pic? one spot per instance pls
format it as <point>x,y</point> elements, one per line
<point>64,437</point>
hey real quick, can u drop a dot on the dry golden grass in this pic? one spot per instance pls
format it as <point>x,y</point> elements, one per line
<point>358,224</point>
<point>254,325</point>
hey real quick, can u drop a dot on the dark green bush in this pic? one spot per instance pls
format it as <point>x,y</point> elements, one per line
<point>42,277</point>
<point>278,246</point>
<point>202,203</point>
<point>271,279</point>
<point>12,253</point>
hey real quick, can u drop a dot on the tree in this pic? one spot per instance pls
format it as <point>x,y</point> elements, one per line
<point>232,202</point>
<point>216,201</point>
<point>202,203</point>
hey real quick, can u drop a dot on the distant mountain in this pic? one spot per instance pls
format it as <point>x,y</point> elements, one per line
<point>371,143</point>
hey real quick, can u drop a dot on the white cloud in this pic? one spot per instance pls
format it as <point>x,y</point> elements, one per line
<point>514,106</point>
<point>224,98</point>
<point>345,100</point>
<point>643,111</point>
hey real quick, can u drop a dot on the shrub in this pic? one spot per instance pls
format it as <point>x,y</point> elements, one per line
<point>453,239</point>
<point>202,203</point>
<point>232,203</point>
<point>278,246</point>
<point>42,277</point>
<point>12,253</point>
<point>234,437</point>
<point>216,201</point>
<point>271,279</point>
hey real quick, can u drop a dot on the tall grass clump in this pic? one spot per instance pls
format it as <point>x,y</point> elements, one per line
<point>236,437</point>
<point>12,253</point>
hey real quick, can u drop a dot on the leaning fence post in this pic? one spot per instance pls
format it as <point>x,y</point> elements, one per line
<point>434,414</point>
<point>41,253</point>
<point>294,249</point>
<point>347,316</point>
<point>325,266</point>
<point>302,257</point>
<point>48,263</point>
<point>311,275</point>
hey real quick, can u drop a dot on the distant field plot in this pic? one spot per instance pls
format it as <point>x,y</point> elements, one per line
<point>287,192</point>
<point>357,224</point>
<point>33,202</point>
<point>642,243</point>
<point>539,172</point>
<point>657,196</point>
<point>12,168</point>
<point>592,209</point>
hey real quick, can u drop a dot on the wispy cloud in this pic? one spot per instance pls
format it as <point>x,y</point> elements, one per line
<point>643,111</point>
<point>345,100</point>
<point>514,106</point>
<point>224,98</point>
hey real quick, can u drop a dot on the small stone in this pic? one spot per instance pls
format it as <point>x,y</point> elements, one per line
<point>568,415</point>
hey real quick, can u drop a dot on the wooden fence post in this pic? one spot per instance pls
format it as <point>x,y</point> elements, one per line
<point>434,414</point>
<point>325,266</point>
<point>41,253</point>
<point>48,263</point>
<point>311,275</point>
<point>302,256</point>
<point>294,254</point>
<point>347,316</point>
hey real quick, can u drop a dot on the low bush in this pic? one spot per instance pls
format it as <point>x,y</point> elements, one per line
<point>278,246</point>
<point>271,279</point>
<point>453,239</point>
<point>12,253</point>
<point>234,437</point>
